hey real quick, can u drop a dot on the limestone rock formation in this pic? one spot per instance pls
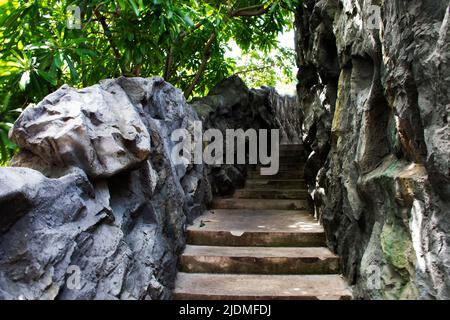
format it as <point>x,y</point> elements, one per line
<point>232,105</point>
<point>97,129</point>
<point>105,217</point>
<point>374,90</point>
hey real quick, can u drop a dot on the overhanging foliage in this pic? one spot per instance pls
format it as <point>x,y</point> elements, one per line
<point>184,41</point>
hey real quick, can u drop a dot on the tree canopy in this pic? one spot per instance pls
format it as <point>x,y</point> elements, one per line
<point>184,41</point>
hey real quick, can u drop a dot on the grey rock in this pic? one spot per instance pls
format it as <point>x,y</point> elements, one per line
<point>38,239</point>
<point>117,218</point>
<point>232,105</point>
<point>375,102</point>
<point>97,129</point>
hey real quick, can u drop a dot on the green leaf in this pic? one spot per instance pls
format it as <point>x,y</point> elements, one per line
<point>187,20</point>
<point>122,4</point>
<point>134,6</point>
<point>84,52</point>
<point>58,60</point>
<point>48,77</point>
<point>73,71</point>
<point>4,155</point>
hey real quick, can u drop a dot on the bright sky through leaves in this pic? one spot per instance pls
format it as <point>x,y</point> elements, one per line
<point>284,84</point>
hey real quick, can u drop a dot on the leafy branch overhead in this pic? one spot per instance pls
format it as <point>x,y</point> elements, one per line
<point>185,41</point>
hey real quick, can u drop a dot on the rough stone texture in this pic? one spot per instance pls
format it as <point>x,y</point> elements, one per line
<point>232,105</point>
<point>376,110</point>
<point>97,129</point>
<point>113,203</point>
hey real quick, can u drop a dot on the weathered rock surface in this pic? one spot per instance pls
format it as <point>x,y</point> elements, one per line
<point>231,105</point>
<point>97,129</point>
<point>113,206</point>
<point>376,103</point>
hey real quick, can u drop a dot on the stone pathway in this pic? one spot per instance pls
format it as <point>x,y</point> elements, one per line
<point>261,244</point>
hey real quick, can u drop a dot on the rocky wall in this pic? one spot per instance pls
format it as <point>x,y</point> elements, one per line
<point>93,206</point>
<point>232,105</point>
<point>374,91</point>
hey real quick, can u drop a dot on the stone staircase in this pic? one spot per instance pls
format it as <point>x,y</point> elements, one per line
<point>261,244</point>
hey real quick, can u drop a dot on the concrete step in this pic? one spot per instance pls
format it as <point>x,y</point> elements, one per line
<point>256,228</point>
<point>289,153</point>
<point>283,167</point>
<point>291,147</point>
<point>249,193</point>
<point>261,244</point>
<point>258,260</point>
<point>292,160</point>
<point>298,149</point>
<point>262,204</point>
<point>195,286</point>
<point>281,175</point>
<point>292,155</point>
<point>278,184</point>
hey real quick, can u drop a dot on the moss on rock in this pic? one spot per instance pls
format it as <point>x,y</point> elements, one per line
<point>396,245</point>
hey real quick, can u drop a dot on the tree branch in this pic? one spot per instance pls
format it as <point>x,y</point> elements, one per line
<point>185,33</point>
<point>251,11</point>
<point>169,60</point>
<point>169,64</point>
<point>202,68</point>
<point>137,70</point>
<point>253,70</point>
<point>107,33</point>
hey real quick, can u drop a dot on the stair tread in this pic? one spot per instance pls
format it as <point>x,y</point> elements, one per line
<point>298,173</point>
<point>258,260</point>
<point>256,168</point>
<point>259,252</point>
<point>280,193</point>
<point>230,220</point>
<point>269,181</point>
<point>258,204</point>
<point>283,168</point>
<point>291,146</point>
<point>278,185</point>
<point>275,179</point>
<point>287,152</point>
<point>245,286</point>
<point>273,190</point>
<point>281,175</point>
<point>262,243</point>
